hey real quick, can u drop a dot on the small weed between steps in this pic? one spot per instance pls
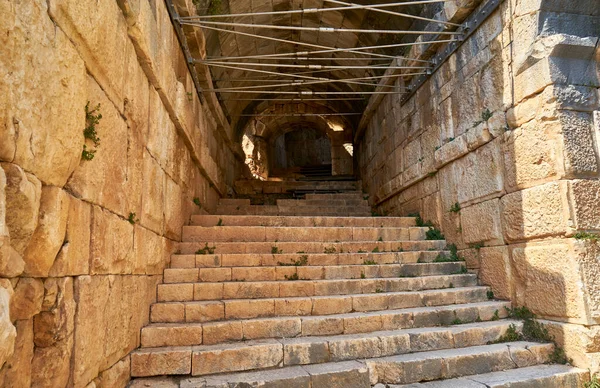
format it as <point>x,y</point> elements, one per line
<point>594,238</point>
<point>369,262</point>
<point>463,270</point>
<point>362,275</point>
<point>220,223</point>
<point>380,239</point>
<point>132,219</point>
<point>455,208</point>
<point>496,316</point>
<point>197,202</point>
<point>593,383</point>
<point>329,250</point>
<point>276,251</point>
<point>399,249</point>
<point>434,234</point>
<point>511,335</point>
<point>490,295</point>
<point>419,221</point>
<point>292,277</point>
<point>302,261</point>
<point>361,251</point>
<point>478,318</point>
<point>375,250</point>
<point>477,246</point>
<point>378,291</point>
<point>451,285</point>
<point>533,331</point>
<point>457,321</point>
<point>206,250</point>
<point>451,258</point>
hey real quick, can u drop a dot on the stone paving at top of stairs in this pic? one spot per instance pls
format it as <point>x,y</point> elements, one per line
<point>316,301</point>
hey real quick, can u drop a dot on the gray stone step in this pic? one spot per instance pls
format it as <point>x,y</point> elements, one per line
<point>310,272</point>
<point>406,368</point>
<point>312,259</point>
<point>198,312</point>
<point>539,376</point>
<point>189,334</point>
<point>313,246</point>
<point>225,233</point>
<point>262,354</point>
<point>213,220</point>
<point>181,292</point>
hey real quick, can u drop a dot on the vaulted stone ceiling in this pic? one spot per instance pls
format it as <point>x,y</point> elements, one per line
<point>352,97</point>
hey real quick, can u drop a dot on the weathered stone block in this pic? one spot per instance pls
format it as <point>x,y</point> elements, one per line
<point>535,212</point>
<point>50,232</point>
<point>27,299</point>
<point>495,271</point>
<point>111,245</point>
<point>23,193</point>
<point>580,154</point>
<point>153,189</point>
<point>17,370</point>
<point>481,223</point>
<point>585,196</point>
<point>8,332</point>
<point>117,376</point>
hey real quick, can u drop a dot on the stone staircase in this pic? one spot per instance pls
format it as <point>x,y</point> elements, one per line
<point>302,295</point>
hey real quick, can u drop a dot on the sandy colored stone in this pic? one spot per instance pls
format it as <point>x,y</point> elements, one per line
<point>535,212</point>
<point>49,235</point>
<point>173,208</point>
<point>11,262</point>
<point>53,336</point>
<point>73,256</point>
<point>481,223</point>
<point>8,332</point>
<point>495,271</point>
<point>227,358</point>
<point>42,132</point>
<point>117,376</point>
<point>27,299</point>
<point>151,251</point>
<point>111,246</point>
<point>153,189</point>
<point>585,195</point>
<point>164,361</point>
<point>17,370</point>
<point>23,193</point>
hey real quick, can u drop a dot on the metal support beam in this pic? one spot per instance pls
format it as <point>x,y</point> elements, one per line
<point>309,66</point>
<point>300,114</point>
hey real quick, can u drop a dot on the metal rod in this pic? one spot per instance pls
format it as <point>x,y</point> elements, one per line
<point>300,114</point>
<point>345,50</point>
<point>300,93</point>
<point>295,99</point>
<point>312,67</point>
<point>301,59</point>
<point>316,10</point>
<point>304,83</point>
<point>322,79</point>
<point>370,8</point>
<point>324,29</point>
<point>292,42</point>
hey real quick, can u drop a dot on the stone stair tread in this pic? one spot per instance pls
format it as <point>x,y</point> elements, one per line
<point>357,374</point>
<point>249,220</point>
<point>549,376</point>
<point>315,258</point>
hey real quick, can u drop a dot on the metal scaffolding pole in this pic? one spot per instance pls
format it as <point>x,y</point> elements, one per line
<point>312,67</point>
<point>300,114</point>
<point>300,93</point>
<point>317,10</point>
<point>323,29</point>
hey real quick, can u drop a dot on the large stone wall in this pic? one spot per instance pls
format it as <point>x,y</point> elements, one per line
<point>508,129</point>
<point>83,242</point>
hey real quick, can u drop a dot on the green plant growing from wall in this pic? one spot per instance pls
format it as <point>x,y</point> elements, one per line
<point>302,261</point>
<point>197,202</point>
<point>132,219</point>
<point>586,236</point>
<point>593,383</point>
<point>215,7</point>
<point>276,251</point>
<point>92,118</point>
<point>434,234</point>
<point>206,250</point>
<point>455,208</point>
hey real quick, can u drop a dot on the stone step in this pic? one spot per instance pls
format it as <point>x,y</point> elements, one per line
<point>312,272</point>
<point>262,354</point>
<point>331,202</point>
<point>312,259</point>
<point>225,233</point>
<point>212,333</point>
<point>539,376</point>
<point>273,210</point>
<point>409,368</point>
<point>313,246</point>
<point>209,311</point>
<point>217,289</point>
<point>357,195</point>
<point>213,220</point>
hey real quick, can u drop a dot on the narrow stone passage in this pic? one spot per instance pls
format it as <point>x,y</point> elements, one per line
<point>317,293</point>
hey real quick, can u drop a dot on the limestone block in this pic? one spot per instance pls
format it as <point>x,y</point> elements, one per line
<point>495,271</point>
<point>162,135</point>
<point>479,175</point>
<point>588,257</point>
<point>8,332</point>
<point>580,155</point>
<point>50,232</point>
<point>108,324</point>
<point>451,151</point>
<point>535,212</point>
<point>42,132</point>
<point>103,179</point>
<point>73,257</point>
<point>102,50</point>
<point>23,193</point>
<point>481,223</point>
<point>3,227</point>
<point>136,90</point>
<point>117,376</point>
<point>154,181</point>
<point>546,279</point>
<point>11,262</point>
<point>27,299</point>
<point>151,254</point>
<point>53,336</point>
<point>17,370</point>
<point>584,195</point>
<point>173,209</point>
<point>111,244</point>
<point>532,154</point>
